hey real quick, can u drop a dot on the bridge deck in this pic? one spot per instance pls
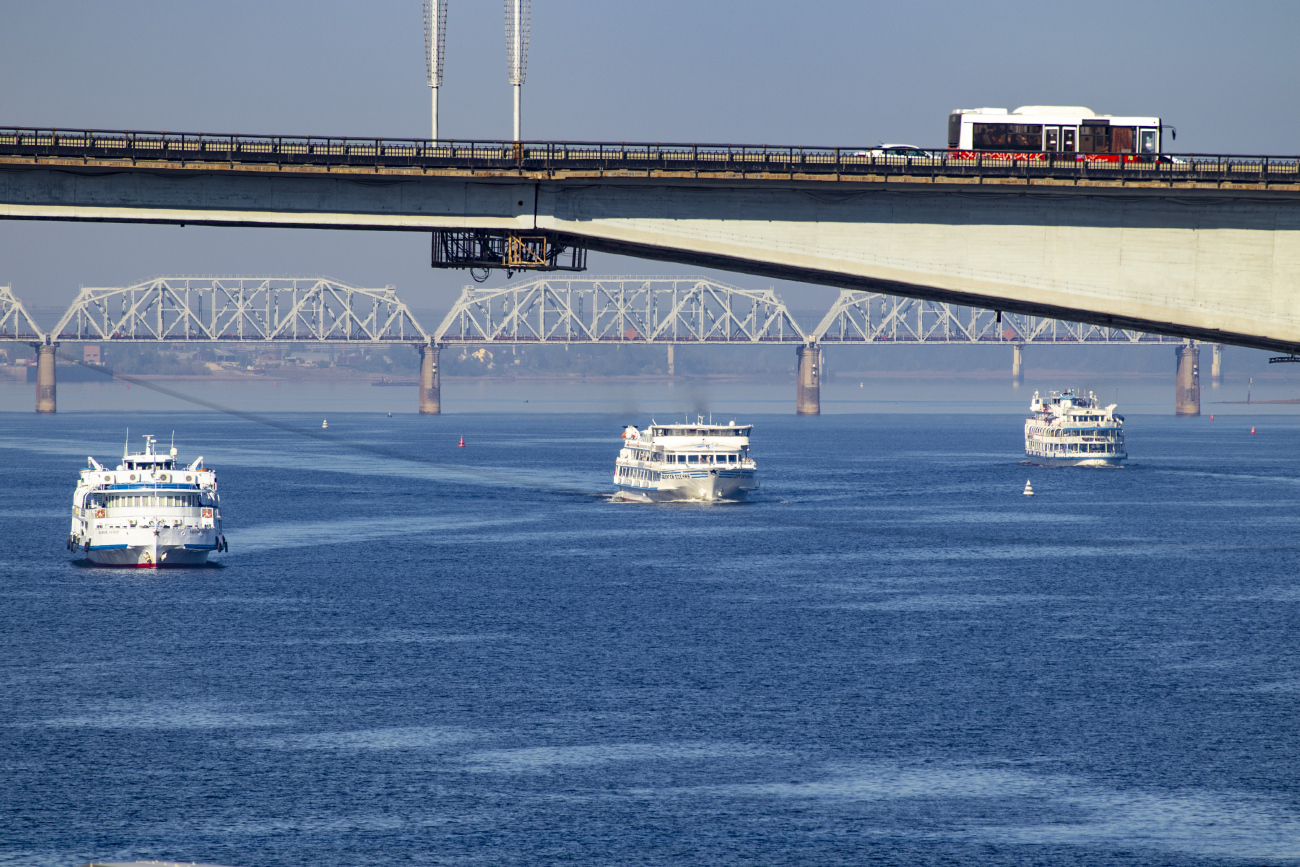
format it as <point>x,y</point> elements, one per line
<point>190,152</point>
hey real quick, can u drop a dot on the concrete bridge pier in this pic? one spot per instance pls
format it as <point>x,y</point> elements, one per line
<point>808,394</point>
<point>1216,366</point>
<point>1017,365</point>
<point>1187,380</point>
<point>430,392</point>
<point>46,387</point>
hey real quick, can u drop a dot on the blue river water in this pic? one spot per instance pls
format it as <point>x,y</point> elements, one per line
<point>419,654</point>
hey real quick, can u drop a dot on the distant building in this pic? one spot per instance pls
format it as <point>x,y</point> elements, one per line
<point>90,354</point>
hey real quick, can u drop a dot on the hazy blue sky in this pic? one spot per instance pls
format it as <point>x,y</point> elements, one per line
<point>812,72</point>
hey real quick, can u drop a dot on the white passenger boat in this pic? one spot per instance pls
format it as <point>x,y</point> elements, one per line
<point>701,461</point>
<point>1070,430</point>
<point>149,511</point>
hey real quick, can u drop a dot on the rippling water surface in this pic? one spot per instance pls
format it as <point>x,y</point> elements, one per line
<point>423,654</point>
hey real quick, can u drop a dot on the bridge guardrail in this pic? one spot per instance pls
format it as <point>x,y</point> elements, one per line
<point>745,160</point>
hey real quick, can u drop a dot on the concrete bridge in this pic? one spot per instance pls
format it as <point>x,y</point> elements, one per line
<point>1202,247</point>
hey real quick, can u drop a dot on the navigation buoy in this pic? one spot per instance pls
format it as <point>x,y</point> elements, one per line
<point>1252,431</point>
<point>1211,416</point>
<point>324,423</point>
<point>461,444</point>
<point>1029,489</point>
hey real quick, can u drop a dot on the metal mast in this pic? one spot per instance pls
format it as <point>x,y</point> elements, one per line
<point>435,38</point>
<point>517,48</point>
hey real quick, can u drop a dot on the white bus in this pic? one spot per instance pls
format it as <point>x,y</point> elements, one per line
<point>1033,131</point>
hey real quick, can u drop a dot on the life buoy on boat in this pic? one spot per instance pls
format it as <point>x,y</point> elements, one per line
<point>99,513</point>
<point>207,513</point>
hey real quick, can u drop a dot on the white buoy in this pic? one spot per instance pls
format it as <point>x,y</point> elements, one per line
<point>324,423</point>
<point>1029,489</point>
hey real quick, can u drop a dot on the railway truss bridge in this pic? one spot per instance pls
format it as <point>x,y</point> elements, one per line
<point>254,312</point>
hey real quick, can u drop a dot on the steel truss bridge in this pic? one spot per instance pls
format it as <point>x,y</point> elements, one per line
<point>619,310</point>
<point>239,310</point>
<point>543,311</point>
<point>869,317</point>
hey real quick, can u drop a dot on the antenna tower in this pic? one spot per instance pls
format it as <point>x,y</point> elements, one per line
<point>517,14</point>
<point>435,39</point>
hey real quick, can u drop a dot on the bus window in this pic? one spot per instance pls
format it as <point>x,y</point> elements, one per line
<point>1067,140</point>
<point>1147,141</point>
<point>1050,138</point>
<point>1007,137</point>
<point>1094,138</point>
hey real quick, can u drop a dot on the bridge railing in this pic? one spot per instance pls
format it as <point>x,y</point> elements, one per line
<point>747,160</point>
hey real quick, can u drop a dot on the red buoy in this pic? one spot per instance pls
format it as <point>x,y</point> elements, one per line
<point>1211,416</point>
<point>1252,431</point>
<point>461,444</point>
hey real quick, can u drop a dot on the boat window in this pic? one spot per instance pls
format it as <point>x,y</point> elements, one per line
<point>693,459</point>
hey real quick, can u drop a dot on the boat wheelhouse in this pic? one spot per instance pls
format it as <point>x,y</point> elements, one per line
<point>1071,430</point>
<point>701,461</point>
<point>150,511</point>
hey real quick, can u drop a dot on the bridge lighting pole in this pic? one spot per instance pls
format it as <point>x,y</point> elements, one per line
<point>517,15</point>
<point>435,38</point>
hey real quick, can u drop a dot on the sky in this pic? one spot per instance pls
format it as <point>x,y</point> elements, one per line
<point>817,72</point>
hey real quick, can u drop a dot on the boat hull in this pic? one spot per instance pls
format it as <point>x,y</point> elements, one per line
<point>140,556</point>
<point>1040,461</point>
<point>709,486</point>
<point>143,548</point>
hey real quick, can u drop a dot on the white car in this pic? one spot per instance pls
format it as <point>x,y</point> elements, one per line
<point>896,150</point>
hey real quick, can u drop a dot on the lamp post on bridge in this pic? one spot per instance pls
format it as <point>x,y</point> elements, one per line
<point>435,39</point>
<point>517,13</point>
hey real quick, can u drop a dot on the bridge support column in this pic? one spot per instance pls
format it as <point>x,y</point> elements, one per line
<point>46,387</point>
<point>430,393</point>
<point>1216,367</point>
<point>1187,380</point>
<point>672,368</point>
<point>1017,365</point>
<point>808,395</point>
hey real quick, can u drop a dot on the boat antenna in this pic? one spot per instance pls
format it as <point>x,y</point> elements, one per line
<point>126,446</point>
